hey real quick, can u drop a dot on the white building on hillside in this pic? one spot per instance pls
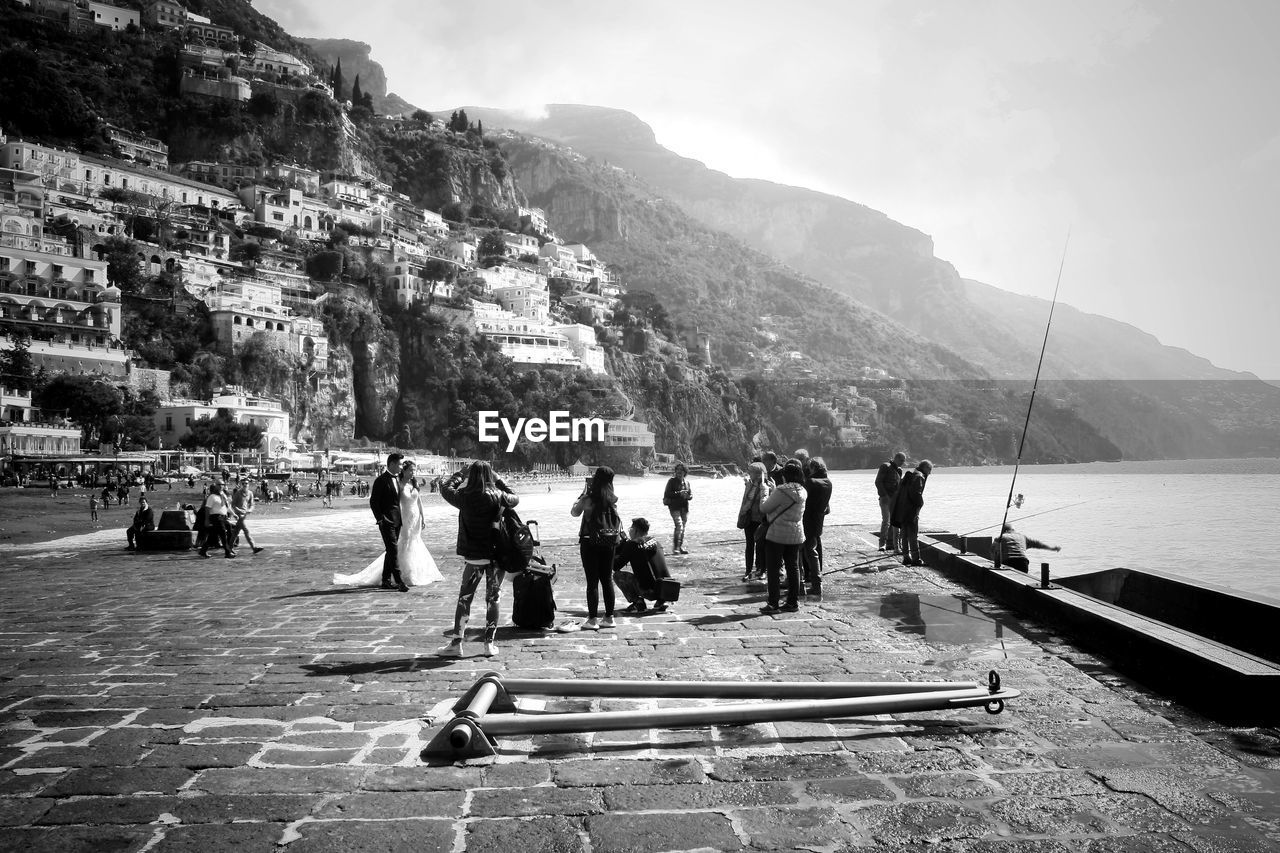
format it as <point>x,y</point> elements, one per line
<point>173,419</point>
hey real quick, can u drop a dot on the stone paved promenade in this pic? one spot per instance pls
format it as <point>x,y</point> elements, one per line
<point>165,703</point>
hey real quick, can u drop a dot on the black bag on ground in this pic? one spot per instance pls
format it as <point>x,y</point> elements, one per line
<point>533,603</point>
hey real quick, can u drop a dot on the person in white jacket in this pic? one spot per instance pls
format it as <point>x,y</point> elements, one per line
<point>784,513</point>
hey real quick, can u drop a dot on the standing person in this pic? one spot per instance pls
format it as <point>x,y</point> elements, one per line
<point>384,502</point>
<point>93,507</point>
<point>888,479</point>
<point>122,493</point>
<point>480,502</point>
<point>784,511</point>
<point>642,555</point>
<point>598,537</point>
<point>817,487</point>
<point>215,523</point>
<point>242,504</point>
<point>906,511</point>
<point>1013,548</point>
<point>757,488</point>
<point>676,498</point>
<point>772,470</point>
<point>143,519</point>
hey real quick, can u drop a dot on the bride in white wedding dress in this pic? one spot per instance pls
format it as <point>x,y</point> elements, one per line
<point>417,566</point>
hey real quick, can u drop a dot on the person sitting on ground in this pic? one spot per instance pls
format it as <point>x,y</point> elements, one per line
<point>638,569</point>
<point>143,519</point>
<point>1013,548</point>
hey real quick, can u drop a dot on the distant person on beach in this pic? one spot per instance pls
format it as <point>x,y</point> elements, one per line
<point>888,479</point>
<point>93,507</point>
<point>1013,548</point>
<point>143,519</point>
<point>598,537</point>
<point>906,511</point>
<point>216,529</point>
<point>676,499</point>
<point>817,487</point>
<point>638,569</point>
<point>784,512</point>
<point>750,515</point>
<point>479,503</point>
<point>242,506</point>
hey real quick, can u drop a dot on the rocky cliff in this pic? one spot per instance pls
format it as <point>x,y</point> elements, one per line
<point>357,60</point>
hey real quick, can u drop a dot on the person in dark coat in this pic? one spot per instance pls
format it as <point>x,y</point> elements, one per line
<point>817,504</point>
<point>676,498</point>
<point>906,511</point>
<point>479,503</point>
<point>143,519</point>
<point>384,501</point>
<point>638,569</point>
<point>888,479</point>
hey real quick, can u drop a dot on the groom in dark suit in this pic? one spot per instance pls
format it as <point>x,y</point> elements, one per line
<point>384,500</point>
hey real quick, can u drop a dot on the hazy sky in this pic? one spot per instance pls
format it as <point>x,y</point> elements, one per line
<point>1150,129</point>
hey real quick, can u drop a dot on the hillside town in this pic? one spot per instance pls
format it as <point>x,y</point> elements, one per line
<point>538,298</point>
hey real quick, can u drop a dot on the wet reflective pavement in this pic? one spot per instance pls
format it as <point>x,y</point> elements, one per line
<point>161,702</point>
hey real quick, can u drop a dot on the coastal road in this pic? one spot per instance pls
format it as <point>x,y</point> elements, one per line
<point>160,702</point>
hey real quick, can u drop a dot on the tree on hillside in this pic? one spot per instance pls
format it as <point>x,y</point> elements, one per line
<point>357,96</point>
<point>88,400</point>
<point>423,116</point>
<point>221,434</point>
<point>17,369</point>
<point>124,268</point>
<point>336,80</point>
<point>492,245</point>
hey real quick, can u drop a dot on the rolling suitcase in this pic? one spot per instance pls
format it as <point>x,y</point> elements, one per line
<point>533,598</point>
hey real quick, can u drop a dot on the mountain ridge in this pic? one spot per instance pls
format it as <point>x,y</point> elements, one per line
<point>858,251</point>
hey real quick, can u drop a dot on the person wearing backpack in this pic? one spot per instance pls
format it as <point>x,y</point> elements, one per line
<point>480,503</point>
<point>598,537</point>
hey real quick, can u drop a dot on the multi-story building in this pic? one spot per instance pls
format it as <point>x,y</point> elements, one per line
<point>408,284</point>
<point>114,17</point>
<point>173,418</point>
<point>61,301</point>
<point>519,245</point>
<point>462,251</point>
<point>528,343</point>
<point>582,340</point>
<point>164,13</point>
<point>599,308</point>
<point>531,303</point>
<point>533,217</point>
<point>627,434</point>
<point>241,309</point>
<point>200,27</point>
<point>214,83</point>
<point>139,148</point>
<point>511,275</point>
<point>288,208</point>
<point>267,59</point>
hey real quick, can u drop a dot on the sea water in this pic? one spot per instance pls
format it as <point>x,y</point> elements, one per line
<point>1216,520</point>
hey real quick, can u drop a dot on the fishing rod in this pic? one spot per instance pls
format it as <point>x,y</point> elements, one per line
<point>1035,384</point>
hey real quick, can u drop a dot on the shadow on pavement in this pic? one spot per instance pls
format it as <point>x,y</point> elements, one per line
<point>413,664</point>
<point>351,590</point>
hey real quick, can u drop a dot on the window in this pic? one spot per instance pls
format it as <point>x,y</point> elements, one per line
<point>168,423</point>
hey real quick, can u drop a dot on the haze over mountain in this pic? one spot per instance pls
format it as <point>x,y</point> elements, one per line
<point>861,252</point>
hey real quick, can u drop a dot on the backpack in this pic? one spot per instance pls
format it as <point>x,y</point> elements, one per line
<point>514,542</point>
<point>608,533</point>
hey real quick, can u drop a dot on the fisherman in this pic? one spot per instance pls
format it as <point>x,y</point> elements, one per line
<point>1013,548</point>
